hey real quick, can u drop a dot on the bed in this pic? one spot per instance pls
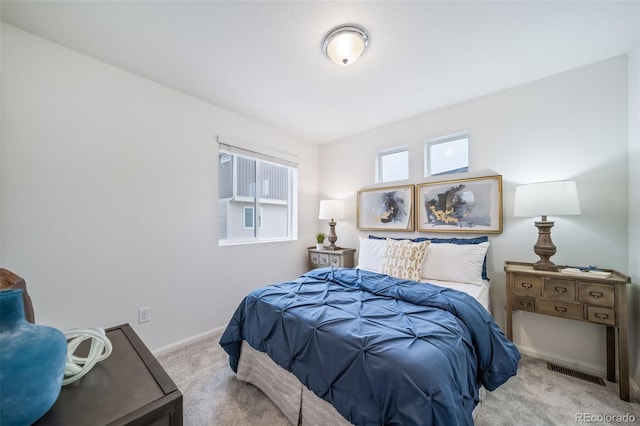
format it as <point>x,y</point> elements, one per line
<point>356,345</point>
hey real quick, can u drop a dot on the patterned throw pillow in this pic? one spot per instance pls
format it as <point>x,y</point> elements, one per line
<point>403,259</point>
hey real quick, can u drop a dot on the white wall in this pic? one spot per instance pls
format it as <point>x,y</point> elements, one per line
<point>109,196</point>
<point>568,126</point>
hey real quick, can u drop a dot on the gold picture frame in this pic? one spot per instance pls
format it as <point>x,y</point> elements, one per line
<point>471,206</point>
<point>386,209</point>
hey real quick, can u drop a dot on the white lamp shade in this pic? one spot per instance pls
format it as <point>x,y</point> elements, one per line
<point>556,198</point>
<point>331,209</point>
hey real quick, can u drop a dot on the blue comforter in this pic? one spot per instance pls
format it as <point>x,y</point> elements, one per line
<point>379,349</point>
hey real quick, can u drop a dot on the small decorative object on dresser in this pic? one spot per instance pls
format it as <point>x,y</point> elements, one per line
<point>9,280</point>
<point>339,258</point>
<point>578,296</point>
<point>32,361</point>
<point>319,241</point>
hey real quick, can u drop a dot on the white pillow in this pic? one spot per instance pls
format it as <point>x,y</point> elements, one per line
<point>455,262</point>
<point>371,254</point>
<point>403,259</point>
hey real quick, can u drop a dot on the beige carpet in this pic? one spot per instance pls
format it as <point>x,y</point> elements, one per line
<point>536,396</point>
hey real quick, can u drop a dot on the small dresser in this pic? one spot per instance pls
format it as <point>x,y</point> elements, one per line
<point>578,297</point>
<point>130,387</point>
<point>339,258</point>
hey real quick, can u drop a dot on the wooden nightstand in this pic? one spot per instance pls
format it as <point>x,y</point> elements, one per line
<point>340,258</point>
<point>130,387</point>
<point>579,297</point>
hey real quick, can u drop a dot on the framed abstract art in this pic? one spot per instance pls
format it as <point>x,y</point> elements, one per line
<point>472,205</point>
<point>386,209</point>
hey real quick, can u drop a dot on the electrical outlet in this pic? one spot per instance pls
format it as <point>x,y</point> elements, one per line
<point>144,315</point>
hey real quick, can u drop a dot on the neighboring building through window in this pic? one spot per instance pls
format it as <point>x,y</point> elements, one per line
<point>249,217</point>
<point>250,182</point>
<point>446,155</point>
<point>392,165</point>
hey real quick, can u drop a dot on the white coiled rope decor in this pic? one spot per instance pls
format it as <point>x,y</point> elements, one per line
<point>77,366</point>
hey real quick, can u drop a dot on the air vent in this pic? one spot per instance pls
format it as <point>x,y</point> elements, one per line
<point>576,374</point>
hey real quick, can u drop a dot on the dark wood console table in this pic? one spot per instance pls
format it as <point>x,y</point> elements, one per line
<point>130,387</point>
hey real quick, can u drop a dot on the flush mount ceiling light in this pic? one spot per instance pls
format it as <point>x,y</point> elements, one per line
<point>345,43</point>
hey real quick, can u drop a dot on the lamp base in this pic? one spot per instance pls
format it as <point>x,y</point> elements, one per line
<point>332,236</point>
<point>542,265</point>
<point>544,247</point>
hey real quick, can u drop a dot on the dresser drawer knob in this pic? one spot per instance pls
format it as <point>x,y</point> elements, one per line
<point>527,285</point>
<point>602,316</point>
<point>334,260</point>
<point>561,309</point>
<point>595,294</point>
<point>560,290</point>
<point>525,304</point>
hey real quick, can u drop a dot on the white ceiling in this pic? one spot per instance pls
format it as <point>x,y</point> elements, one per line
<point>263,58</point>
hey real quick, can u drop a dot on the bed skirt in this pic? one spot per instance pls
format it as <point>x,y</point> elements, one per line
<point>297,403</point>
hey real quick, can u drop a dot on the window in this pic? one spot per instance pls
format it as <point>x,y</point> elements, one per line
<point>392,164</point>
<point>446,155</point>
<point>248,217</point>
<point>250,182</point>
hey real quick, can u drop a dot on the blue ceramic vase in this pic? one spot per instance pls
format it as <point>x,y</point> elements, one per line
<point>32,361</point>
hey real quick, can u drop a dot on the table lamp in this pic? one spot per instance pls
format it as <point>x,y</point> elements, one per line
<point>331,209</point>
<point>544,199</point>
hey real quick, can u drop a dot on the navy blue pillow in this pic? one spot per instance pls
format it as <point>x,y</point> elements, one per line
<point>476,240</point>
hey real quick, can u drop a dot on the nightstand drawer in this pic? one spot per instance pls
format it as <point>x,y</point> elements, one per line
<point>335,260</point>
<point>558,289</point>
<point>596,294</point>
<point>319,259</point>
<point>560,309</point>
<point>527,285</point>
<point>524,303</point>
<point>601,315</point>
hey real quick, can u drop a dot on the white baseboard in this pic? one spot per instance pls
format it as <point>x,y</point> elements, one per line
<point>564,361</point>
<point>188,340</point>
<point>582,366</point>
